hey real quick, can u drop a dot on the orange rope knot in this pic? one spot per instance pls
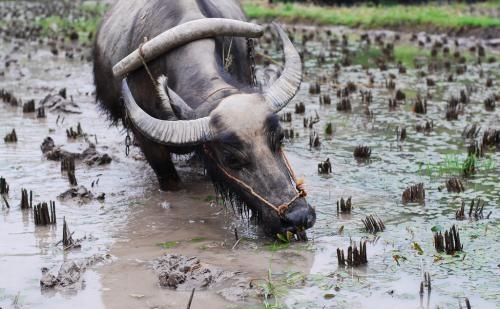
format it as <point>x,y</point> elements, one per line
<point>282,210</point>
<point>299,184</point>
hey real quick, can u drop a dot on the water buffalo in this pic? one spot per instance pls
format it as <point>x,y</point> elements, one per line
<point>158,66</point>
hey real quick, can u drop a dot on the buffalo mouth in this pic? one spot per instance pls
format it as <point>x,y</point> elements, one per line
<point>299,217</point>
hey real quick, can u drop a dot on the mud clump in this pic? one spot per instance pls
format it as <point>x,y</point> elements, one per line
<point>80,194</point>
<point>97,159</point>
<point>182,272</point>
<point>70,274</point>
<point>47,145</point>
<point>54,153</point>
<point>90,155</point>
<point>59,103</point>
<point>236,293</point>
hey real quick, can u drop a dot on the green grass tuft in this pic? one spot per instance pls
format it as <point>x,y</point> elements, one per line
<point>367,57</point>
<point>84,26</point>
<point>198,239</point>
<point>168,244</point>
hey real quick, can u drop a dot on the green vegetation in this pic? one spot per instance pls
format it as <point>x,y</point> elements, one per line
<point>452,164</point>
<point>168,244</point>
<point>407,53</point>
<point>198,239</point>
<point>271,291</point>
<point>367,58</point>
<point>442,16</point>
<point>274,247</point>
<point>172,244</point>
<point>285,238</point>
<point>85,25</point>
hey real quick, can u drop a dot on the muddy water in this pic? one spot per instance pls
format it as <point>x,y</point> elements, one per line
<point>136,218</point>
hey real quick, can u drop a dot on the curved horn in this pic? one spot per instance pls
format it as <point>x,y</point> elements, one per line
<point>172,103</point>
<point>183,34</point>
<point>173,133</point>
<point>284,89</point>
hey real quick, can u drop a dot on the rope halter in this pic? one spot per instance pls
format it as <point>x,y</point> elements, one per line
<point>281,209</point>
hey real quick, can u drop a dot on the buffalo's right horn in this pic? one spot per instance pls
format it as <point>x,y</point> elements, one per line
<point>183,34</point>
<point>284,89</point>
<point>173,133</point>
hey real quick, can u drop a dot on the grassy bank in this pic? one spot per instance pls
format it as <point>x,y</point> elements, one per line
<point>446,17</point>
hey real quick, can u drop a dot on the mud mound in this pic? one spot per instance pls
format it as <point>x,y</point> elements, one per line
<point>182,272</point>
<point>70,274</point>
<point>89,155</point>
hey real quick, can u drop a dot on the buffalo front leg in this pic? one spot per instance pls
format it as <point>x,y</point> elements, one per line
<point>160,160</point>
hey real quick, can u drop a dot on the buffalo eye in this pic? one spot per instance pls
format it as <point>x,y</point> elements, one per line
<point>277,139</point>
<point>234,159</point>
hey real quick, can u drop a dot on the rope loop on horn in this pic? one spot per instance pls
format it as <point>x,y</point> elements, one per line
<point>141,56</point>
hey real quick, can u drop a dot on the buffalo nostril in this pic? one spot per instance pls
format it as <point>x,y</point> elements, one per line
<point>303,217</point>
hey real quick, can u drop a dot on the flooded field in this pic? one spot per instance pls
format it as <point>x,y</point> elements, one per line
<point>415,117</point>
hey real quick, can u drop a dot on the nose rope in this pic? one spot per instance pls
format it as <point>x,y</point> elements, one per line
<point>281,209</point>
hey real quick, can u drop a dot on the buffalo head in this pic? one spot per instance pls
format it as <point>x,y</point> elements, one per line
<point>241,141</point>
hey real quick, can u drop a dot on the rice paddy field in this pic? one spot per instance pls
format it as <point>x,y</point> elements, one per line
<point>395,129</point>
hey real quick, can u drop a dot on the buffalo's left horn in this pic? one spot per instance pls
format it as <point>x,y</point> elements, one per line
<point>284,89</point>
<point>182,34</point>
<point>172,133</point>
